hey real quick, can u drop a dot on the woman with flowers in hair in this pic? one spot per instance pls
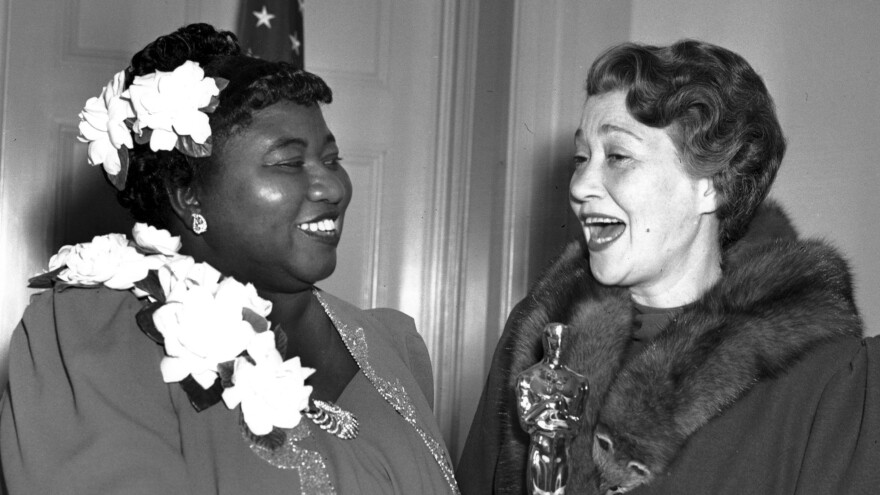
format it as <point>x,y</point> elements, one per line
<point>198,356</point>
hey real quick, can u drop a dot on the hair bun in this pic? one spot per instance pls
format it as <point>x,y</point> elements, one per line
<point>200,43</point>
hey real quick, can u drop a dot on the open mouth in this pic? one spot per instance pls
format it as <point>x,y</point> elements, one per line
<point>602,230</point>
<point>326,229</point>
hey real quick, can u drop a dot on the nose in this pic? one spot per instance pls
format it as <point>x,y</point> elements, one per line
<point>327,185</point>
<point>587,182</point>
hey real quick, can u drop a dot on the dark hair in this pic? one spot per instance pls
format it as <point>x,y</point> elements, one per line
<point>716,109</point>
<point>254,84</point>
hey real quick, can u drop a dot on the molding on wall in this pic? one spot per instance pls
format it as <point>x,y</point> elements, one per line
<point>4,46</point>
<point>516,219</point>
<point>545,83</point>
<point>382,44</point>
<point>72,52</point>
<point>375,161</point>
<point>447,233</point>
<point>64,134</point>
<point>8,296</point>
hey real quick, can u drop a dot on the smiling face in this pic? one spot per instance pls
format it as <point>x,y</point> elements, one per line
<point>275,198</point>
<point>649,226</point>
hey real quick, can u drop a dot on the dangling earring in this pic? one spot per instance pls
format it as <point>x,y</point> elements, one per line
<point>200,225</point>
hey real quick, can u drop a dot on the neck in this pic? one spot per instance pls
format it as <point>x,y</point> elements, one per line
<point>293,310</point>
<point>687,281</point>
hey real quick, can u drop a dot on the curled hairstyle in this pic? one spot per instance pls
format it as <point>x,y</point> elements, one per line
<point>715,108</point>
<point>254,84</point>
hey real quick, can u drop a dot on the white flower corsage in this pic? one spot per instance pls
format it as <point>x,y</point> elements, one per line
<point>272,392</point>
<point>217,338</point>
<point>166,109</point>
<point>108,260</point>
<point>153,240</point>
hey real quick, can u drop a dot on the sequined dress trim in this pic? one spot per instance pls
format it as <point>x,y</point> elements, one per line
<point>313,477</point>
<point>393,392</point>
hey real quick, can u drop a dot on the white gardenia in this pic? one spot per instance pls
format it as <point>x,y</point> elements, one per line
<point>155,240</point>
<point>206,320</point>
<point>168,103</point>
<point>271,392</point>
<point>183,272</point>
<point>108,260</point>
<point>202,322</point>
<point>102,125</point>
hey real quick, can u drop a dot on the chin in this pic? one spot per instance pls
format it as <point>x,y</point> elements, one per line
<point>319,272</point>
<point>606,274</point>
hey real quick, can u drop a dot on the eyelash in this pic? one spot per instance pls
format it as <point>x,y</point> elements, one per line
<point>612,158</point>
<point>298,163</point>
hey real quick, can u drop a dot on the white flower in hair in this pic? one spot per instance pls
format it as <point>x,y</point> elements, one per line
<point>102,125</point>
<point>169,103</point>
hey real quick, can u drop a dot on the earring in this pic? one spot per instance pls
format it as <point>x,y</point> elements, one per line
<point>200,225</point>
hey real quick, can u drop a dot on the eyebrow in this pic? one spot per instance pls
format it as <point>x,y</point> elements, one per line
<point>296,141</point>
<point>606,129</point>
<point>609,128</point>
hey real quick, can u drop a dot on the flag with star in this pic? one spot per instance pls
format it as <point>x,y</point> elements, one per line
<point>272,30</point>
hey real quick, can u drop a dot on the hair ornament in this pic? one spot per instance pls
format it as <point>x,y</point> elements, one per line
<point>168,110</point>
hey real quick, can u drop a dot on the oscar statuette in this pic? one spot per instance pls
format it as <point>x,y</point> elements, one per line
<point>551,399</point>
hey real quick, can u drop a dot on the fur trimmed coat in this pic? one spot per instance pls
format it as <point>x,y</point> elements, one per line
<point>763,385</point>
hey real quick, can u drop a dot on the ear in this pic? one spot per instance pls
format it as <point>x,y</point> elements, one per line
<point>185,202</point>
<point>708,195</point>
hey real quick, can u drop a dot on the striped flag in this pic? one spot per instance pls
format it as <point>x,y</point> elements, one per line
<point>273,30</point>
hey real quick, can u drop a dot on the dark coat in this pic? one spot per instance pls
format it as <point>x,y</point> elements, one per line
<point>763,385</point>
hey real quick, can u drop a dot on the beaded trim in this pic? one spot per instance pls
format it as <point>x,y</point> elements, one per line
<point>313,477</point>
<point>393,392</point>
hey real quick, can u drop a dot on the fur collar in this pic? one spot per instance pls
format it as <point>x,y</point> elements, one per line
<point>778,298</point>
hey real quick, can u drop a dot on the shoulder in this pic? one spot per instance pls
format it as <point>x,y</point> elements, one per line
<point>390,324</point>
<point>831,360</point>
<point>84,313</point>
<point>86,331</point>
<point>813,425</point>
<point>396,324</point>
<point>823,389</point>
<point>400,330</point>
<point>84,386</point>
<point>397,331</point>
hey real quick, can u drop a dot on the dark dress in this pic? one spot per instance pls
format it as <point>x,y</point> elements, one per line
<point>86,411</point>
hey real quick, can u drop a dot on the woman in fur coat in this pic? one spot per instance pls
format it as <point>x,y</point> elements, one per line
<point>724,354</point>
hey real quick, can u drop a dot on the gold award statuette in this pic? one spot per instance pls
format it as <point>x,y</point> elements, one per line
<point>551,399</point>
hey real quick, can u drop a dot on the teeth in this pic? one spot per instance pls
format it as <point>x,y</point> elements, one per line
<point>600,220</point>
<point>326,225</point>
<point>594,226</point>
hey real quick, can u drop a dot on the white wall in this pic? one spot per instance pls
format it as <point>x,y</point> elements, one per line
<point>821,63</point>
